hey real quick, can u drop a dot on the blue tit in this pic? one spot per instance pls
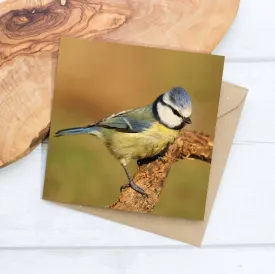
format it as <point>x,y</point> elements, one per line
<point>143,132</point>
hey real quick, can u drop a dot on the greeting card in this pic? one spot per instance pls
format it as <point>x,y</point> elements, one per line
<point>133,128</point>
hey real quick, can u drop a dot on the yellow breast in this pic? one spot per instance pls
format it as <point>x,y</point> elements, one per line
<point>148,143</point>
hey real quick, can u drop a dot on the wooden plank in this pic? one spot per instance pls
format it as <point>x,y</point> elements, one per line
<point>243,211</point>
<point>257,122</point>
<point>250,36</point>
<point>246,260</point>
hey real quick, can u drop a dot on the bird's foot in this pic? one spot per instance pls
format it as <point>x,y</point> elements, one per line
<point>134,187</point>
<point>161,158</point>
<point>140,162</point>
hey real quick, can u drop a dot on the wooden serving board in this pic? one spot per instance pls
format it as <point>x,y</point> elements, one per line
<point>29,38</point>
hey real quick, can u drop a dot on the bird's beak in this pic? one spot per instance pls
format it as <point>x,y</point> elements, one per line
<point>187,120</point>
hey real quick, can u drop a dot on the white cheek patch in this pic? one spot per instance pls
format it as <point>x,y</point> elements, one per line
<point>167,116</point>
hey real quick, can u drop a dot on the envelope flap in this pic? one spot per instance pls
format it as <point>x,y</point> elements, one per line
<point>231,98</point>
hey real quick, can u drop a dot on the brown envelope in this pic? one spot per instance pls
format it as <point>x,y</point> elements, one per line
<point>231,103</point>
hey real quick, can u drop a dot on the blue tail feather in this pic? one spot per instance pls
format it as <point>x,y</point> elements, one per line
<point>76,130</point>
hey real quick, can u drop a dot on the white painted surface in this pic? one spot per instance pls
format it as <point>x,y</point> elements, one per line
<point>251,36</point>
<point>40,237</point>
<point>230,260</point>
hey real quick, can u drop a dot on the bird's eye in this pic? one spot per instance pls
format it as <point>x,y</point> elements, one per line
<point>176,112</point>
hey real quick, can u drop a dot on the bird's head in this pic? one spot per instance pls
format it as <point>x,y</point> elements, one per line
<point>173,108</point>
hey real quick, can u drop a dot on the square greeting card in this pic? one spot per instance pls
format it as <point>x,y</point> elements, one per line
<point>132,128</point>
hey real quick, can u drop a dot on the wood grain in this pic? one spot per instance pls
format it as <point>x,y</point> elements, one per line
<point>37,30</point>
<point>25,97</point>
<point>29,38</point>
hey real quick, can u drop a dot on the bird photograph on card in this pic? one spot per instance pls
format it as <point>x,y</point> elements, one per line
<point>141,133</point>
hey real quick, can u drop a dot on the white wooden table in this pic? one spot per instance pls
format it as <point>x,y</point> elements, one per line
<point>39,237</point>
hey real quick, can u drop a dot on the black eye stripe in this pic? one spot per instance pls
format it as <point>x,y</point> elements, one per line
<point>174,110</point>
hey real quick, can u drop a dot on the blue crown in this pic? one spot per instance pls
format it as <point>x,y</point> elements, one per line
<point>179,97</point>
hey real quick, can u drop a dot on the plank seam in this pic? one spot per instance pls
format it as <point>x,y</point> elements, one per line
<point>249,60</point>
<point>149,247</point>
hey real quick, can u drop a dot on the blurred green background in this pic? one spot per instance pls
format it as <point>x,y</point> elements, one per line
<point>95,79</point>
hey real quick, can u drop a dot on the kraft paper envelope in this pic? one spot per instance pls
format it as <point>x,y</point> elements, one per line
<point>230,107</point>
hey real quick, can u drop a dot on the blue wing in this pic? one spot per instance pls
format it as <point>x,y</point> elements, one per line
<point>132,121</point>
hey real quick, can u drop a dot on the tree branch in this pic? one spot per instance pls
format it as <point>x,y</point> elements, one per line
<point>151,177</point>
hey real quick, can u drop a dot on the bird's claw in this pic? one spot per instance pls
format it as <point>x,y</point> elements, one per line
<point>134,187</point>
<point>162,159</point>
<point>124,186</point>
<point>139,162</point>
